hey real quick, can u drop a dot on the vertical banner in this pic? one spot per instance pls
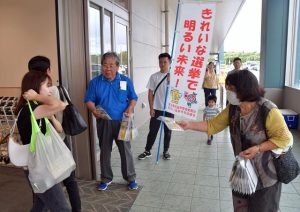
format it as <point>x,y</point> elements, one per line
<point>196,23</point>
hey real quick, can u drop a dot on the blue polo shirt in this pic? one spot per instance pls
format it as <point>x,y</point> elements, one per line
<point>113,96</point>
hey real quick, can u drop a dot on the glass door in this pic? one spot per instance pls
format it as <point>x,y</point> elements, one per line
<point>108,31</point>
<point>95,40</point>
<point>121,33</point>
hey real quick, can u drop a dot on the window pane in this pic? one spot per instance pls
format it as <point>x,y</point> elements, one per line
<point>122,47</point>
<point>107,31</point>
<point>296,82</point>
<point>95,41</point>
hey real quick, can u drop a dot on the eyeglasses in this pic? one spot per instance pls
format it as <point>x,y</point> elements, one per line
<point>109,66</point>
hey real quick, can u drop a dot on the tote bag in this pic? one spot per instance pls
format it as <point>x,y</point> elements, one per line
<point>50,161</point>
<point>73,123</point>
<point>18,153</point>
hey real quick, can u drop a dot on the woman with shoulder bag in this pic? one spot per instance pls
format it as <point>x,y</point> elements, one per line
<point>258,131</point>
<point>35,89</point>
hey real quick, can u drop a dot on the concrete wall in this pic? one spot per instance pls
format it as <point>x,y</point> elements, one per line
<point>275,95</point>
<point>146,45</point>
<point>148,40</point>
<point>27,28</point>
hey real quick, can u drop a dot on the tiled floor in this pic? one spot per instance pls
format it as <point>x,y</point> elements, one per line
<point>116,198</point>
<point>196,178</point>
<point>16,196</point>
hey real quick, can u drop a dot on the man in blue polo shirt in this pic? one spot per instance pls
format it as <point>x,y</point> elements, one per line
<point>115,94</point>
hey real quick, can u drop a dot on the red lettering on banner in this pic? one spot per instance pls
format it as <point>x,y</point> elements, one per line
<point>194,73</point>
<point>200,50</point>
<point>182,48</point>
<point>188,37</point>
<point>182,59</point>
<point>179,70</point>
<point>192,85</point>
<point>197,61</point>
<point>207,14</point>
<point>200,38</point>
<point>177,81</point>
<point>190,24</point>
<point>205,26</point>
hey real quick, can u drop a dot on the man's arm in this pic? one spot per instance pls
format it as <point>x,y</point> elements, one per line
<point>91,107</point>
<point>151,101</point>
<point>130,108</point>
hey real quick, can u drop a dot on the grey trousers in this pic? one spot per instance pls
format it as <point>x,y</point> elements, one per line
<point>108,131</point>
<point>264,200</point>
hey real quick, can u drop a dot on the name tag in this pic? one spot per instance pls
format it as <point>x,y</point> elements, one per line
<point>123,85</point>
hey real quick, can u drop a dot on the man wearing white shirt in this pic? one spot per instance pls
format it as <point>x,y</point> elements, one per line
<point>157,86</point>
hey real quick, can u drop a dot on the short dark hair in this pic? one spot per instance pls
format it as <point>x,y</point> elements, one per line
<point>162,55</point>
<point>236,58</point>
<point>112,55</point>
<point>39,63</point>
<point>212,97</point>
<point>246,84</point>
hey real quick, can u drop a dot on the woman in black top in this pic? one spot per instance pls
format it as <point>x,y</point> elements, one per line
<point>35,89</point>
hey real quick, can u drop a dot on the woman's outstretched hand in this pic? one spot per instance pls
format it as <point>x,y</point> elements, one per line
<point>184,124</point>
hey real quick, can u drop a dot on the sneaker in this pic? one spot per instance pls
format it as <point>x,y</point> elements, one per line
<point>166,156</point>
<point>102,186</point>
<point>209,142</point>
<point>144,155</point>
<point>133,185</point>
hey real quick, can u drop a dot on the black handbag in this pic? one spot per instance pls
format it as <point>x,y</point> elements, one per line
<point>73,123</point>
<point>286,166</point>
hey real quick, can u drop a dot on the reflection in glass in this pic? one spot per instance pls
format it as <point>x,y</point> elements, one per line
<point>95,41</point>
<point>107,31</point>
<point>122,47</point>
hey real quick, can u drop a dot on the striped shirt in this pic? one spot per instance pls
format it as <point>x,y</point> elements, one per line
<point>210,112</point>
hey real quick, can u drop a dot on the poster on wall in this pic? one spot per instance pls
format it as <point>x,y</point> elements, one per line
<point>191,51</point>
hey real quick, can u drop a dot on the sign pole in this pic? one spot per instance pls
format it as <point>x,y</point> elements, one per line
<point>167,90</point>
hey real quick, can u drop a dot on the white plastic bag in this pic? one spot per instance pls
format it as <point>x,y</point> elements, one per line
<point>50,161</point>
<point>128,131</point>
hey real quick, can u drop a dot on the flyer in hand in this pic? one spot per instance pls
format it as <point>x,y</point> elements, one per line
<point>170,123</point>
<point>104,114</point>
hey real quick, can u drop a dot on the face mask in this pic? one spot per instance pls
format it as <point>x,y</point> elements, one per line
<point>232,99</point>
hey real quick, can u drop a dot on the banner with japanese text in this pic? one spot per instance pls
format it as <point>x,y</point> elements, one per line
<point>191,51</point>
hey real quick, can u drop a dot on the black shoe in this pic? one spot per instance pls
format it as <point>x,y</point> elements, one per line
<point>144,155</point>
<point>166,156</point>
<point>209,142</point>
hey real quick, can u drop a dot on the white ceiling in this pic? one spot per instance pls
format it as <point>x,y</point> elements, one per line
<point>227,11</point>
